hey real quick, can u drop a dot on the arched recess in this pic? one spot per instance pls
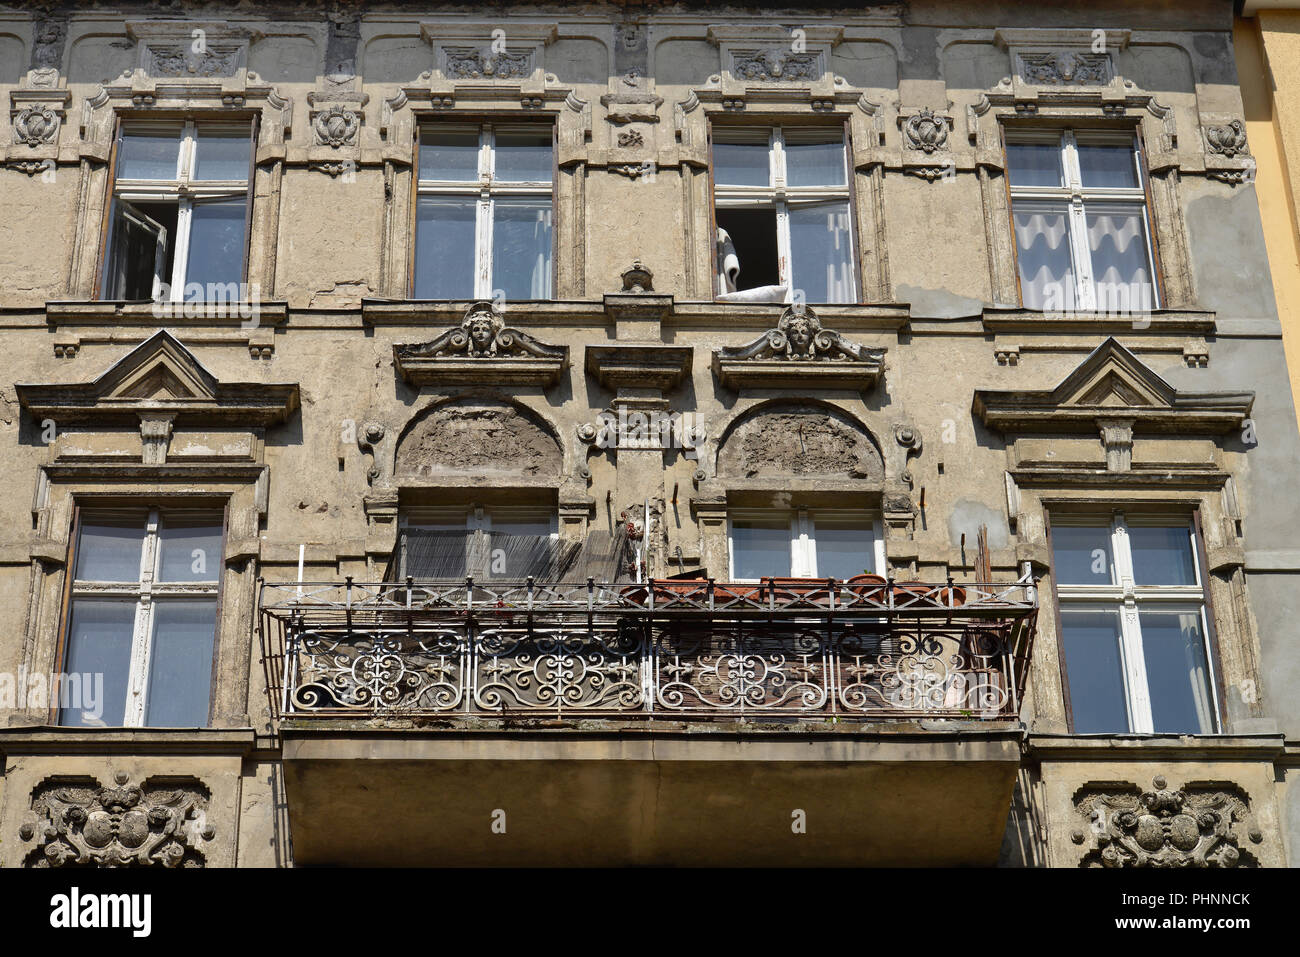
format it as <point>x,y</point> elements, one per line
<point>481,438</point>
<point>800,439</point>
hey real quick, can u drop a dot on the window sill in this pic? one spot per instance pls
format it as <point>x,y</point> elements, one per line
<point>53,739</point>
<point>1016,319</point>
<point>148,313</point>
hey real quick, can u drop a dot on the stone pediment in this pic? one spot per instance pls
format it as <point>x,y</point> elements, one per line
<point>160,378</point>
<point>482,350</point>
<point>1112,384</point>
<point>799,354</point>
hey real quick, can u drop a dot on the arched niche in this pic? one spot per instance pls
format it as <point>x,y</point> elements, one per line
<point>799,439</point>
<point>484,438</point>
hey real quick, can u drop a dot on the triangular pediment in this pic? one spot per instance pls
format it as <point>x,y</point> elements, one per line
<point>160,369</point>
<point>1111,383</point>
<point>160,376</point>
<point>1112,377</point>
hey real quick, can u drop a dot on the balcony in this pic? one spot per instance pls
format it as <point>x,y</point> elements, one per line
<point>664,723</point>
<point>669,648</point>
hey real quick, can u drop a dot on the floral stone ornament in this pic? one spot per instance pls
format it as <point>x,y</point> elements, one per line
<point>79,823</point>
<point>1194,826</point>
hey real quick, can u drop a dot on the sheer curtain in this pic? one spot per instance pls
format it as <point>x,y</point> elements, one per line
<point>1120,265</point>
<point>1046,270</point>
<point>521,248</point>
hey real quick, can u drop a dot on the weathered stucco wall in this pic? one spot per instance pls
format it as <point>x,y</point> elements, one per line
<point>330,246</point>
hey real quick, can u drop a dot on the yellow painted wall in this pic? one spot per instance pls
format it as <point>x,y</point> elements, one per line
<point>1268,61</point>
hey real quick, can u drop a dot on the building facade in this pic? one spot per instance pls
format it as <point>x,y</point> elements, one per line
<point>637,433</point>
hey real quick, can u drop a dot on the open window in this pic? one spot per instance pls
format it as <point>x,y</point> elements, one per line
<point>783,215</point>
<point>179,224</point>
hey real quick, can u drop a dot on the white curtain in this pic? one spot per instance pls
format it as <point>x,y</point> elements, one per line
<point>1046,271</point>
<point>1120,268</point>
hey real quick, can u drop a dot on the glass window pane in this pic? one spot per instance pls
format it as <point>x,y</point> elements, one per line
<point>444,248</point>
<point>521,248</point>
<point>1043,248</point>
<point>222,154</point>
<point>180,664</point>
<point>450,156</point>
<point>1177,675</point>
<point>844,547</point>
<point>1121,270</point>
<point>150,155</point>
<point>134,254</point>
<point>1034,164</point>
<point>109,550</point>
<point>1162,556</point>
<point>1092,661</point>
<point>1107,165</point>
<point>99,654</point>
<point>216,252</point>
<point>523,157</point>
<point>814,159</point>
<point>741,164</point>
<point>821,252</point>
<point>760,548</point>
<point>1082,555</point>
<point>189,548</point>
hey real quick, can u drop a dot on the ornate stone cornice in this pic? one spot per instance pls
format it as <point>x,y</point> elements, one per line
<point>481,350</point>
<point>799,353</point>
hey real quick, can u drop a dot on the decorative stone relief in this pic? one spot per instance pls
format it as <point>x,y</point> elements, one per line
<point>182,60</point>
<point>35,125</point>
<point>479,438</point>
<point>483,334</point>
<point>638,278</point>
<point>1117,438</point>
<point>776,66</point>
<point>78,822</point>
<point>799,353</point>
<point>909,438</point>
<point>1065,68</point>
<point>1198,825</point>
<point>925,131</point>
<point>792,439</point>
<point>470,64</point>
<point>336,126</point>
<point>1228,139</point>
<point>799,335</point>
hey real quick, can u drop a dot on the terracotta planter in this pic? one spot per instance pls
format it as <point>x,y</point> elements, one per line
<point>930,592</point>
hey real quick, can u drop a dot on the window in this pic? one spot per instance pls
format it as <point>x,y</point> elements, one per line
<point>1133,626</point>
<point>180,210</point>
<point>143,615</point>
<point>803,543</point>
<point>483,542</point>
<point>483,213</point>
<point>1083,235</point>
<point>781,199</point>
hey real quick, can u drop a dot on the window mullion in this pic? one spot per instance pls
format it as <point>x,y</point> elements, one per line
<point>785,272</point>
<point>143,626</point>
<point>483,257</point>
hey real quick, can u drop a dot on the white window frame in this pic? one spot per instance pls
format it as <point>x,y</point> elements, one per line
<point>144,592</point>
<point>803,537</point>
<point>781,197</point>
<point>1129,600</point>
<point>488,190</point>
<point>1080,199</point>
<point>184,190</point>
<point>477,520</point>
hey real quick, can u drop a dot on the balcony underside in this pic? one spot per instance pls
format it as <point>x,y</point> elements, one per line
<point>601,793</point>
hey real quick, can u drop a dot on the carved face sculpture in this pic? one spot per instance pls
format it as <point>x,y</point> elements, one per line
<point>800,332</point>
<point>481,333</point>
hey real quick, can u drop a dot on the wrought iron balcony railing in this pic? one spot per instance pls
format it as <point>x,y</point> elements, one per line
<point>667,649</point>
